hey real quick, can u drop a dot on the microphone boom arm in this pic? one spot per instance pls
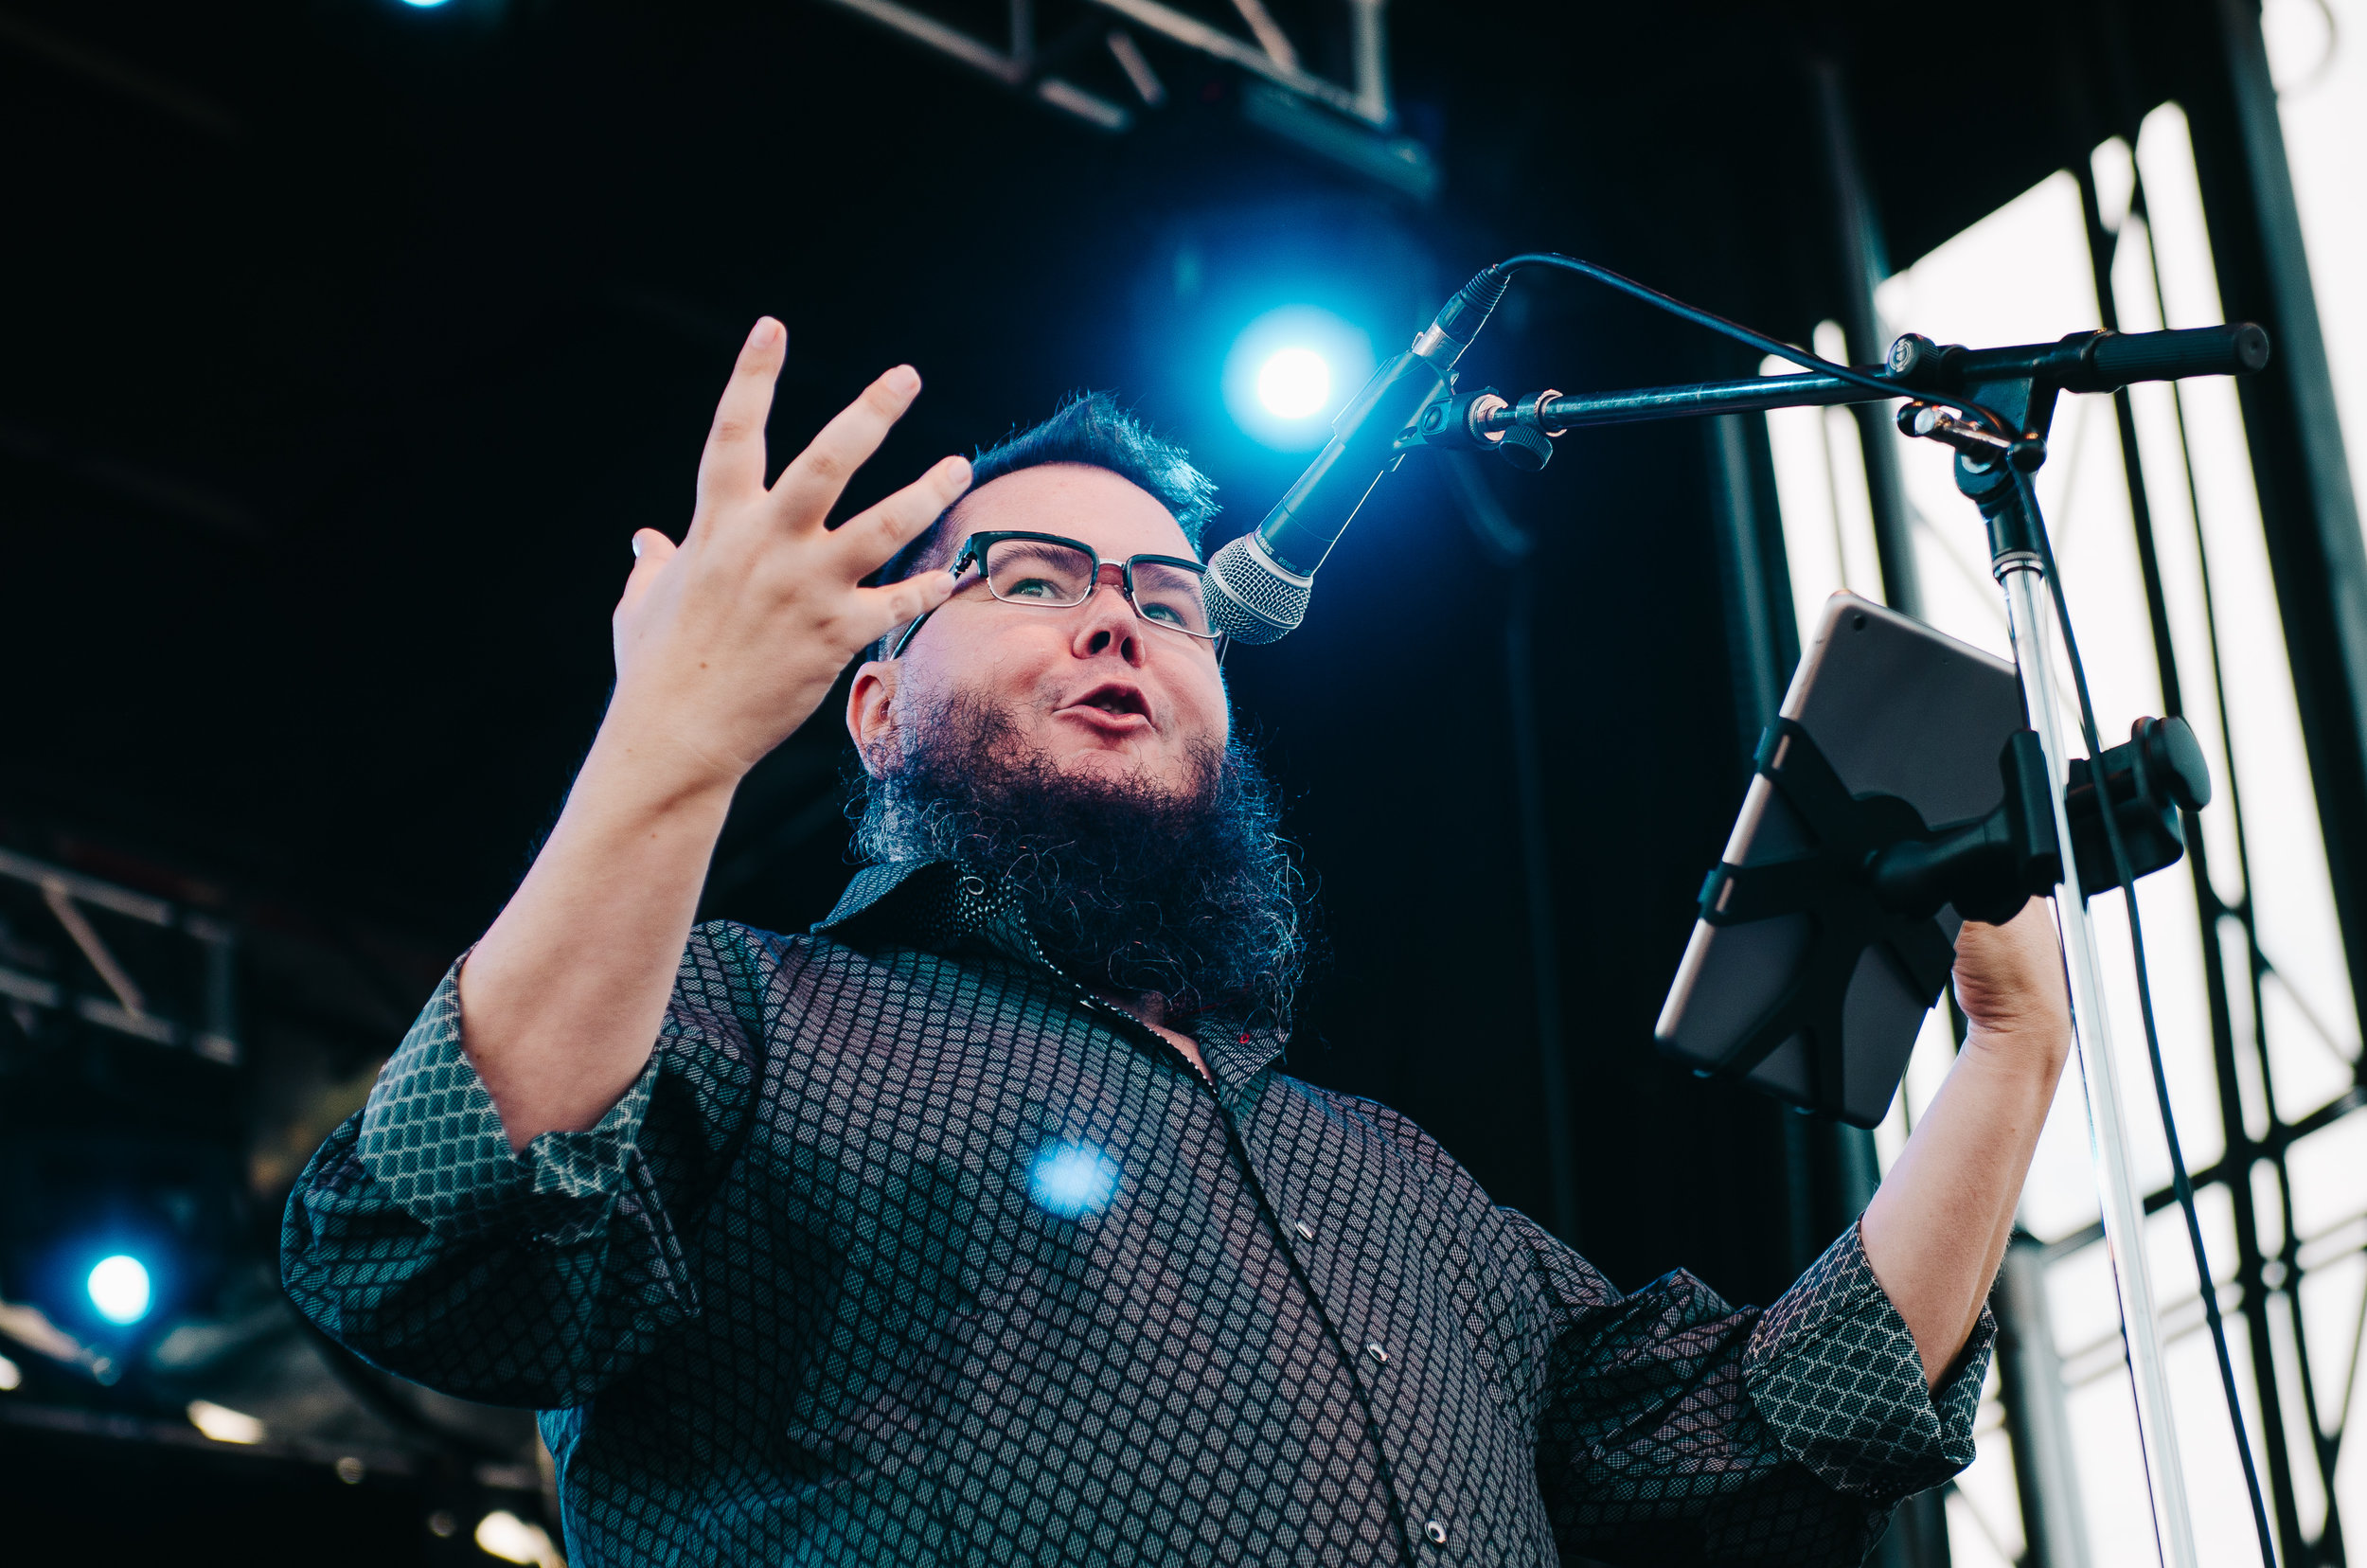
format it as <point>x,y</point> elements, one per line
<point>2085,362</point>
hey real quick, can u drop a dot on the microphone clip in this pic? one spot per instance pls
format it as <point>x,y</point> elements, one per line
<point>1487,420</point>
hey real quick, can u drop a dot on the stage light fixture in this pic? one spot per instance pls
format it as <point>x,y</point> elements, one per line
<point>12,1376</point>
<point>1290,371</point>
<point>1295,383</point>
<point>1073,1180</point>
<point>423,5</point>
<point>120,1288</point>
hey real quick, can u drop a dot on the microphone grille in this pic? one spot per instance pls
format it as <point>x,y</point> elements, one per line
<point>1251,596</point>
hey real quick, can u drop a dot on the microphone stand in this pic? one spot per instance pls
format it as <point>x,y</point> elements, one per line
<point>2000,483</point>
<point>1995,472</point>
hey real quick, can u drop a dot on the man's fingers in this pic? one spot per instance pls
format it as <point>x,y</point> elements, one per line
<point>733,464</point>
<point>810,484</point>
<point>894,603</point>
<point>878,532</point>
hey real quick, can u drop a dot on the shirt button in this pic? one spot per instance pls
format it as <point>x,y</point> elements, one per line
<point>1436,1532</point>
<point>1307,1231</point>
<point>1372,1348</point>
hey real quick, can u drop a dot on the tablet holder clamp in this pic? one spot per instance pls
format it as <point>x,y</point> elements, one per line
<point>1878,876</point>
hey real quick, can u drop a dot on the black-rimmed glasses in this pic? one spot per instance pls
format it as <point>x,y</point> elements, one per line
<point>1052,573</point>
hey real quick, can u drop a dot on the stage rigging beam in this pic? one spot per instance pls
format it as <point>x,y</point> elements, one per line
<point>2309,510</point>
<point>1353,124</point>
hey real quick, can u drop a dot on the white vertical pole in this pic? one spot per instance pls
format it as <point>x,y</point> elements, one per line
<point>2030,612</point>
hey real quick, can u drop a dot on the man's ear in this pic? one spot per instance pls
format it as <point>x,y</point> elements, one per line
<point>869,716</point>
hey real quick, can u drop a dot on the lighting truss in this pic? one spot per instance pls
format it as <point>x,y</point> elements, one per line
<point>197,984</point>
<point>1352,124</point>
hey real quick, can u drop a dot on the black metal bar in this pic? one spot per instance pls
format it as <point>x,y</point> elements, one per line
<point>2242,1147</point>
<point>2030,1378</point>
<point>2236,1139</point>
<point>2308,511</point>
<point>1764,640</point>
<point>1508,546</point>
<point>1750,395</point>
<point>2280,1137</point>
<point>1864,263</point>
<point>1544,944</point>
<point>2087,362</point>
<point>1755,658</point>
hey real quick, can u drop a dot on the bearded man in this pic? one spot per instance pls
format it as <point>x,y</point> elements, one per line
<point>980,1225</point>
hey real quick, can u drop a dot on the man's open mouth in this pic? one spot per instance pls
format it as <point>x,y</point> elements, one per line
<point>1115,700</point>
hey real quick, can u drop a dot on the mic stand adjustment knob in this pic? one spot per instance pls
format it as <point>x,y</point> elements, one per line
<point>1526,447</point>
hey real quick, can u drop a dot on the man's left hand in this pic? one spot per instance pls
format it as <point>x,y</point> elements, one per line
<point>2009,981</point>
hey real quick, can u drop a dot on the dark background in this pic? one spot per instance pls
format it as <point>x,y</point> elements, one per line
<point>346,345</point>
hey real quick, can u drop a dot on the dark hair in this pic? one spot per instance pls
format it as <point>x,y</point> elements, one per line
<point>1088,428</point>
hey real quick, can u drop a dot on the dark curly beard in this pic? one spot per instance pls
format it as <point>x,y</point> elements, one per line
<point>1191,894</point>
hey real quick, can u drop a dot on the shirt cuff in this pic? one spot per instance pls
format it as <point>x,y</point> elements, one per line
<point>431,1137</point>
<point>1833,1370</point>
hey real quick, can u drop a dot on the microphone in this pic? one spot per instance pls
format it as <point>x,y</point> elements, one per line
<point>1258,584</point>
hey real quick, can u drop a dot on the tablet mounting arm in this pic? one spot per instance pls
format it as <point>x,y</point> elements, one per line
<point>1878,876</point>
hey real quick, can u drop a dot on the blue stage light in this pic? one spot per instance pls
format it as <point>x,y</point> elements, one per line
<point>1073,1180</point>
<point>1295,383</point>
<point>423,5</point>
<point>1290,371</point>
<point>119,1289</point>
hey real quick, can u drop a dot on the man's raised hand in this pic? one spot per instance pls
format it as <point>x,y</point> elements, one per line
<point>727,643</point>
<point>723,646</point>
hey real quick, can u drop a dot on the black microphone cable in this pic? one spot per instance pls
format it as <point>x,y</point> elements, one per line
<point>1490,282</point>
<point>1487,287</point>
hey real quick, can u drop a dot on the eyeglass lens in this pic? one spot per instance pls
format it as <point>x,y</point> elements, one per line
<point>1035,571</point>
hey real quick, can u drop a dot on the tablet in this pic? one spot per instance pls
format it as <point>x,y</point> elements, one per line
<point>1897,709</point>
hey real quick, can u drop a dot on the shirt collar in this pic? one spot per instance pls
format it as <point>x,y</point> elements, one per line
<point>932,904</point>
<point>938,905</point>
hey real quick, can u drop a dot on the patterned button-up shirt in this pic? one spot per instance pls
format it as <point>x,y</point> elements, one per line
<point>906,1249</point>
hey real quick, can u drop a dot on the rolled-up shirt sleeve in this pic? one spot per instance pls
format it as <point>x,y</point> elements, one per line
<point>1833,1371</point>
<point>421,1241</point>
<point>1675,1428</point>
<point>434,1144</point>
